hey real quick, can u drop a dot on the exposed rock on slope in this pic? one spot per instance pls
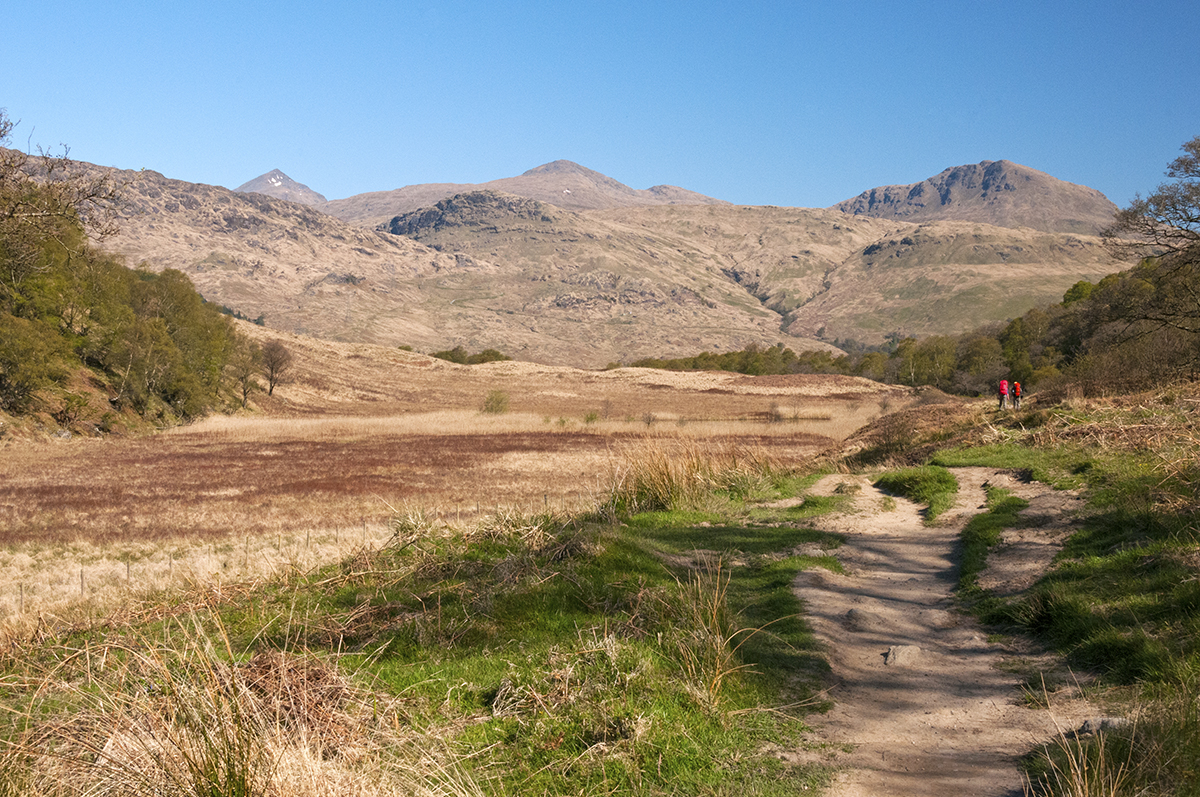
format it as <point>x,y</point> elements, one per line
<point>481,209</point>
<point>1001,193</point>
<point>277,184</point>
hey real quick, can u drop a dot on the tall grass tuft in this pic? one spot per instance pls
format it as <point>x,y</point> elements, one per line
<point>659,477</point>
<point>712,633</point>
<point>1073,766</point>
<point>1158,753</point>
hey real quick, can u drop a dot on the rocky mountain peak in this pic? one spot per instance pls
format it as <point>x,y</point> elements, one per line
<point>559,167</point>
<point>277,184</point>
<point>1001,193</point>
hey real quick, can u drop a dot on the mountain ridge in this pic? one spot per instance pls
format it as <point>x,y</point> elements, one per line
<point>1001,193</point>
<point>488,269</point>
<point>561,183</point>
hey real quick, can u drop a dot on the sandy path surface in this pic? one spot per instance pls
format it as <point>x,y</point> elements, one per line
<point>921,707</point>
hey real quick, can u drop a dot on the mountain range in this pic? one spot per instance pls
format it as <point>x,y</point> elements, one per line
<point>564,265</point>
<point>561,183</point>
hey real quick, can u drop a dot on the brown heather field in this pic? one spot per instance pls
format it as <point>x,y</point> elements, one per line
<point>359,434</point>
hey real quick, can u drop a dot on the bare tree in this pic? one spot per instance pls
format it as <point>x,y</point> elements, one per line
<point>277,361</point>
<point>1161,230</point>
<point>244,365</point>
<point>1165,224</point>
<point>45,197</point>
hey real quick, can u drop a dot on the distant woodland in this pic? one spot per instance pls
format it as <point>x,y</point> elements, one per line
<point>75,321</point>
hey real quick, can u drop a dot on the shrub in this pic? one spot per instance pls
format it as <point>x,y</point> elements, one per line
<point>495,403</point>
<point>459,355</point>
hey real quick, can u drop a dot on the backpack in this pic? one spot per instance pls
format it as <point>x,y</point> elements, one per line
<point>1003,387</point>
<point>1016,388</point>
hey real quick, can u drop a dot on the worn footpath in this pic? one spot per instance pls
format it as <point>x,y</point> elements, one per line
<point>925,704</point>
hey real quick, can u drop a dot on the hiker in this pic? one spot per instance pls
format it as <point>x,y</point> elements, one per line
<point>1003,393</point>
<point>1016,395</point>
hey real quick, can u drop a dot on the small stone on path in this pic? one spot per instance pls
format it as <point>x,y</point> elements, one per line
<point>902,654</point>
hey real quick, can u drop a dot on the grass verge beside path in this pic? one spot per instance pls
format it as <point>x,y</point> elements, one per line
<point>1122,600</point>
<point>981,534</point>
<point>931,485</point>
<point>531,655</point>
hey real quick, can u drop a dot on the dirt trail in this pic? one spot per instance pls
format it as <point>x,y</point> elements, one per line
<point>921,708</point>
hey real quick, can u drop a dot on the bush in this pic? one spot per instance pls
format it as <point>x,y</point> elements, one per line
<point>459,355</point>
<point>495,403</point>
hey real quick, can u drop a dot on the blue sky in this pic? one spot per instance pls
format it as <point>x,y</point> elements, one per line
<point>769,103</point>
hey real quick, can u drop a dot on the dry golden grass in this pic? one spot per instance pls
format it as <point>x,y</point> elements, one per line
<point>275,724</point>
<point>359,433</point>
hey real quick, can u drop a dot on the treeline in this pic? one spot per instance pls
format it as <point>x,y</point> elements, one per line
<point>1111,336</point>
<point>150,341</point>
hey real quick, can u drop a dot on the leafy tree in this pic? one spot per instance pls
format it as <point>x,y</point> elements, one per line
<point>1078,292</point>
<point>244,365</point>
<point>65,305</point>
<point>32,356</point>
<point>872,365</point>
<point>935,359</point>
<point>980,363</point>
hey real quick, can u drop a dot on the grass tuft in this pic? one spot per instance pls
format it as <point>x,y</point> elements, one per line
<point>982,533</point>
<point>184,715</point>
<point>659,477</point>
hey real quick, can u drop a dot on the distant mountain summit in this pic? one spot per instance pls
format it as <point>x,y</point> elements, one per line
<point>569,185</point>
<point>1001,193</point>
<point>561,183</point>
<point>277,184</point>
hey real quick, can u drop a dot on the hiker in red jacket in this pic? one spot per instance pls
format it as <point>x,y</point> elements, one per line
<point>1016,395</point>
<point>1003,393</point>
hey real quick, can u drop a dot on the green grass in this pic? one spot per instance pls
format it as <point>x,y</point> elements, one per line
<point>1062,467</point>
<point>1122,601</point>
<point>666,654</point>
<point>931,485</point>
<point>1122,598</point>
<point>981,534</point>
